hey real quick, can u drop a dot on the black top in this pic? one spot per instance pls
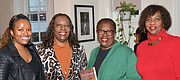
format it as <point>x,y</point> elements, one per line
<point>35,66</point>
<point>100,57</point>
<point>141,40</point>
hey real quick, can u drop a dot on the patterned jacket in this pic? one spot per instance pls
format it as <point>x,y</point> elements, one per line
<point>52,68</point>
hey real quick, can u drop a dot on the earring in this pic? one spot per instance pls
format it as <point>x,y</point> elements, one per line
<point>10,37</point>
<point>145,31</point>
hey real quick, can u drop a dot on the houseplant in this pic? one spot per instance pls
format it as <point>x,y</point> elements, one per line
<point>125,12</point>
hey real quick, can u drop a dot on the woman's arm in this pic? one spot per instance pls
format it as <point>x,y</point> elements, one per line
<point>176,59</point>
<point>132,73</point>
<point>84,59</point>
<point>4,67</point>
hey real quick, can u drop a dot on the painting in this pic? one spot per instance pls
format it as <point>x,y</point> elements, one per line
<point>84,22</point>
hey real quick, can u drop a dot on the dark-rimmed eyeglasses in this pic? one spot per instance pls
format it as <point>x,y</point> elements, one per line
<point>108,32</point>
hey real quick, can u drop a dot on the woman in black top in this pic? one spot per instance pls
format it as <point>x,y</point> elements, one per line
<point>140,37</point>
<point>18,58</point>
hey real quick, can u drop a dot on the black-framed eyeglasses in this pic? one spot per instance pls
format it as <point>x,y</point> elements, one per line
<point>108,32</point>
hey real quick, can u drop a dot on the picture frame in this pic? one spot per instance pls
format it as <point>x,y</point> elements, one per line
<point>84,22</point>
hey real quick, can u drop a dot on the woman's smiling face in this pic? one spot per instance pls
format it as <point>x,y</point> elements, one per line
<point>154,23</point>
<point>106,41</point>
<point>61,29</point>
<point>22,32</point>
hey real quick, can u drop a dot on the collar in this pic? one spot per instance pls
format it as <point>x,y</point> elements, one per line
<point>13,50</point>
<point>153,38</point>
<point>65,46</point>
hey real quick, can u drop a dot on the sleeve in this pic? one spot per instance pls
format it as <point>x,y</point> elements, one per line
<point>92,57</point>
<point>84,59</point>
<point>4,67</point>
<point>176,59</point>
<point>132,73</point>
<point>89,65</point>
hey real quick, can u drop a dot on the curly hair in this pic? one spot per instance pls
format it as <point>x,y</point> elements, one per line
<point>141,34</point>
<point>7,36</point>
<point>49,35</point>
<point>150,11</point>
<point>107,20</point>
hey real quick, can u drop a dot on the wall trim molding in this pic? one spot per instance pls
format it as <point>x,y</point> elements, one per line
<point>175,17</point>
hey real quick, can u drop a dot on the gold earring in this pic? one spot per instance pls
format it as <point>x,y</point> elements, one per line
<point>145,31</point>
<point>11,38</point>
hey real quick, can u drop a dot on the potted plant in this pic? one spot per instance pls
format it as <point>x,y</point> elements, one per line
<point>125,12</point>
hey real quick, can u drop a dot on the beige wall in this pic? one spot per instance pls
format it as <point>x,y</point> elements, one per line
<point>62,6</point>
<point>5,14</point>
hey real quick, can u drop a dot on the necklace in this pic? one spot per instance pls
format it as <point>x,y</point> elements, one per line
<point>155,42</point>
<point>66,64</point>
<point>65,67</point>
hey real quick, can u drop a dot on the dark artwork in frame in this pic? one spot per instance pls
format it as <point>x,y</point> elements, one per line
<point>84,22</point>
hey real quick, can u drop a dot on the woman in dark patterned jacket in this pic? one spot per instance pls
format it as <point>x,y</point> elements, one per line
<point>60,52</point>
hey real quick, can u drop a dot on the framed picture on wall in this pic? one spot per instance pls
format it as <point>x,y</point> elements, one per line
<point>84,22</point>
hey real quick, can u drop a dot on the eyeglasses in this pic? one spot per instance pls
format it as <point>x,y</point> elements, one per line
<point>108,32</point>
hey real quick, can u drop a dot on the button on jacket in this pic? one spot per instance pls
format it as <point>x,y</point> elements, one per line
<point>12,67</point>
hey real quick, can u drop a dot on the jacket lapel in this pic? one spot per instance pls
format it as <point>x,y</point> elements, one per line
<point>12,49</point>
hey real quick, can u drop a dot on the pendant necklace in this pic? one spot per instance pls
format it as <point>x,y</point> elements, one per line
<point>66,64</point>
<point>155,42</point>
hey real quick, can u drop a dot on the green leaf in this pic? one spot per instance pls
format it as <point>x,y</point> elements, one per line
<point>117,38</point>
<point>121,35</point>
<point>124,4</point>
<point>120,41</point>
<point>134,5</point>
<point>117,24</point>
<point>117,19</point>
<point>121,38</point>
<point>117,7</point>
<point>120,29</point>
<point>120,3</point>
<point>129,5</point>
<point>130,34</point>
<point>125,43</point>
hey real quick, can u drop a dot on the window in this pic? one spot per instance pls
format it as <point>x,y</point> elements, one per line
<point>37,15</point>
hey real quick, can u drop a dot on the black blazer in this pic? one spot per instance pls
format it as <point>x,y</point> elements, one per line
<point>13,68</point>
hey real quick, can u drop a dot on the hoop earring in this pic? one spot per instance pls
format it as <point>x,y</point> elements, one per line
<point>10,37</point>
<point>144,31</point>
